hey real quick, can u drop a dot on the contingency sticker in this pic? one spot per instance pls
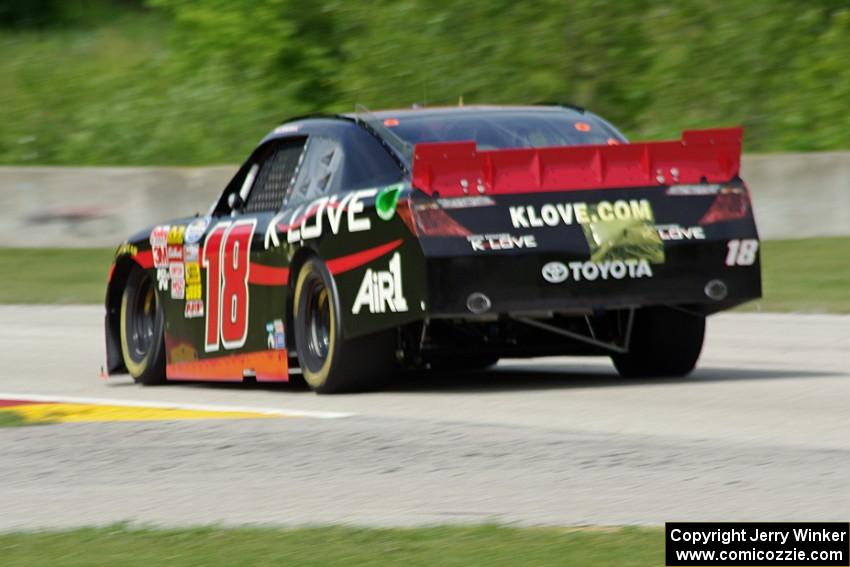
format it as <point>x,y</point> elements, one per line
<point>276,338</point>
<point>159,246</point>
<point>178,281</point>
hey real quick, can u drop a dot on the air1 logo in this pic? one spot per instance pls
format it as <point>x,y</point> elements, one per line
<point>381,291</point>
<point>226,259</point>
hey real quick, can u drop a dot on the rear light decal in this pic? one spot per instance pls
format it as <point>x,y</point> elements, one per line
<point>431,220</point>
<point>731,203</point>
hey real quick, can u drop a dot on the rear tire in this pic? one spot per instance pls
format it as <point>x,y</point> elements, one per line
<point>329,362</point>
<point>665,342</point>
<point>142,329</point>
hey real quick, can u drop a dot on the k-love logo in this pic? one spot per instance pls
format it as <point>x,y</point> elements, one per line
<point>554,214</point>
<point>307,221</point>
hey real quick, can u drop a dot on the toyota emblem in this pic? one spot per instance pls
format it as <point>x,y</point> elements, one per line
<point>555,272</point>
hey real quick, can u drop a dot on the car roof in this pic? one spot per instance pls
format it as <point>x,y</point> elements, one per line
<point>435,111</point>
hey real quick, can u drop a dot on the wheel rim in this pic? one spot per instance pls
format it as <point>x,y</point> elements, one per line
<point>142,320</point>
<point>318,317</point>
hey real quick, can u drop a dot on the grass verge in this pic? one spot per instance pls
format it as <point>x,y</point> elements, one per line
<point>54,275</point>
<point>321,546</point>
<point>810,275</point>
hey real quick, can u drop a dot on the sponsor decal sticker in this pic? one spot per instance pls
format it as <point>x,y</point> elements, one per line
<point>276,338</point>
<point>178,282</point>
<point>193,273</point>
<point>307,222</point>
<point>190,252</point>
<point>194,307</point>
<point>387,200</point>
<point>554,214</point>
<point>629,233</point>
<point>195,230</point>
<point>162,278</point>
<point>676,232</point>
<point>555,272</point>
<point>503,241</point>
<point>159,246</point>
<point>286,129</point>
<point>466,202</point>
<point>182,351</point>
<point>631,268</point>
<point>692,190</point>
<point>175,252</point>
<point>175,235</point>
<point>126,248</point>
<point>381,291</point>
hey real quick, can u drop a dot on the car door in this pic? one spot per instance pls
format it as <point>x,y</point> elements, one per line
<point>234,312</point>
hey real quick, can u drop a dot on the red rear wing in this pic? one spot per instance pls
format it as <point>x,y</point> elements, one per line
<point>459,168</point>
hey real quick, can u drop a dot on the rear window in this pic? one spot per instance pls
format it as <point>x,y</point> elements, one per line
<point>506,129</point>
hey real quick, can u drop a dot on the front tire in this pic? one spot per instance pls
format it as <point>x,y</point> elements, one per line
<point>665,342</point>
<point>329,362</point>
<point>142,326</point>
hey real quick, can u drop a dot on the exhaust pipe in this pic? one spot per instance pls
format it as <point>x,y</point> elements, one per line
<point>716,290</point>
<point>478,303</point>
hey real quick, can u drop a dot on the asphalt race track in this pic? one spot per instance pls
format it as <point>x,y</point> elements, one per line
<point>761,431</point>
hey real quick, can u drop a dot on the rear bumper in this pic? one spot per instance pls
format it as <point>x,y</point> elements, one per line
<point>515,283</point>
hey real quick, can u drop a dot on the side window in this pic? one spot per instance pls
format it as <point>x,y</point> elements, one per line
<point>274,177</point>
<point>320,174</point>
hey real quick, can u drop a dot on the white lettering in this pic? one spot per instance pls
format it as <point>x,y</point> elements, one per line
<point>335,212</point>
<point>381,291</point>
<point>533,218</point>
<point>293,234</point>
<point>518,217</point>
<point>356,224</point>
<point>609,269</point>
<point>314,231</point>
<point>551,214</point>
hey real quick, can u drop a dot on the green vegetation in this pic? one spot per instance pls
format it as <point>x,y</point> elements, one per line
<point>810,275</point>
<point>54,275</point>
<point>200,81</point>
<point>483,545</point>
<point>12,419</point>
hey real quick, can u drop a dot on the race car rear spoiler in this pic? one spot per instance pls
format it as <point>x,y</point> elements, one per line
<point>454,169</point>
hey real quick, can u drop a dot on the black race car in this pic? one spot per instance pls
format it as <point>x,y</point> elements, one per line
<point>354,246</point>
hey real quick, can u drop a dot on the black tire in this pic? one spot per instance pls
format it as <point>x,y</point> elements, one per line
<point>665,342</point>
<point>142,325</point>
<point>464,362</point>
<point>329,362</point>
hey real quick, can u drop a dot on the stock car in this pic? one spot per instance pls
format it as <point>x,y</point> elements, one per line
<point>354,247</point>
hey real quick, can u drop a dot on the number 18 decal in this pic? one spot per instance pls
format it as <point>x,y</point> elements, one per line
<point>742,252</point>
<point>227,249</point>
